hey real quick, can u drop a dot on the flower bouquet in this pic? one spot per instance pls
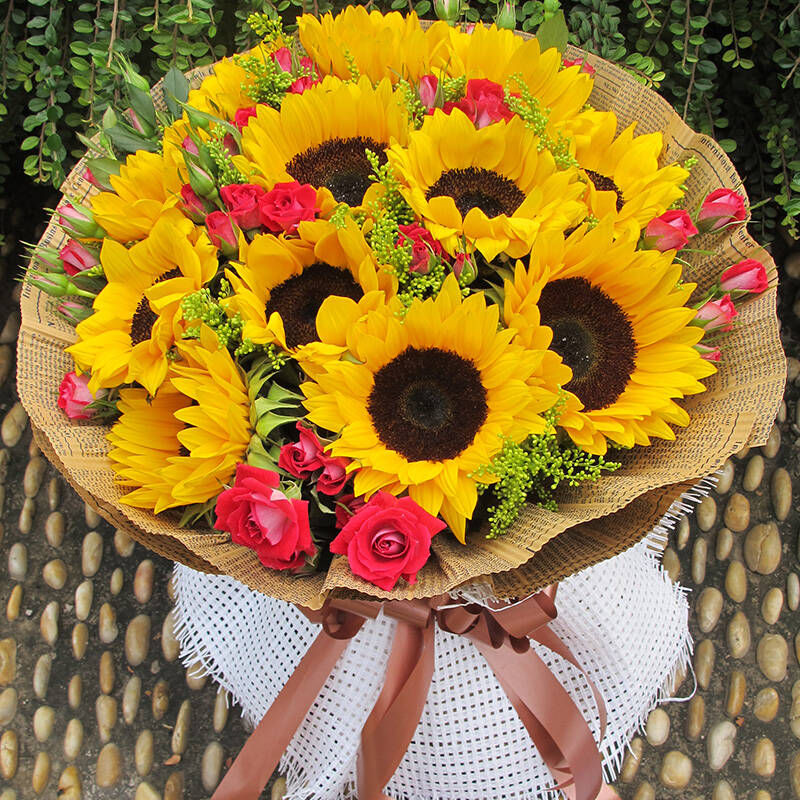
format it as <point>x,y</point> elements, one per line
<point>392,311</point>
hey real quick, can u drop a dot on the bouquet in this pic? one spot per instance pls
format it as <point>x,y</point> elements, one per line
<point>391,310</point>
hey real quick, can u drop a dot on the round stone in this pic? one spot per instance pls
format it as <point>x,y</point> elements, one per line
<point>699,556</point>
<point>80,640</point>
<point>32,479</point>
<point>18,561</point>
<point>14,424</point>
<point>53,494</point>
<point>130,699</point>
<point>123,543</point>
<point>736,690</point>
<point>738,635</point>
<point>770,449</point>
<point>762,548</point>
<point>54,574</point>
<point>25,523</point>
<point>793,591</point>
<point>695,717</point>
<point>173,788</point>
<point>8,705</point>
<point>736,581</point>
<point>180,733</point>
<point>93,519</point>
<point>279,788</point>
<point>725,480</point>
<point>91,554</point>
<point>772,656</point>
<point>671,564</point>
<point>794,713</point>
<point>763,758</point>
<point>74,691</point>
<point>8,661</point>
<point>9,754</point>
<point>143,753</point>
<point>781,492</point>
<point>723,791</point>
<point>676,770</point>
<point>144,791</point>
<point>143,581</point>
<point>765,705</point>
<point>706,513</point>
<point>44,719</point>
<point>211,766</point>
<point>69,784</point>
<point>137,639</point>
<point>73,739</point>
<point>117,579</point>
<point>704,662</point>
<point>683,532</point>
<point>48,624</point>
<point>794,774</point>
<point>14,603</point>
<point>41,675</point>
<point>724,544</point>
<point>84,594</point>
<point>720,744</point>
<point>41,772</point>
<point>220,710</point>
<point>106,713</point>
<point>709,607</point>
<point>54,529</point>
<point>753,474</point>
<point>170,646</point>
<point>108,766</point>
<point>107,624</point>
<point>771,605</point>
<point>160,699</point>
<point>737,512</point>
<point>107,675</point>
<point>657,727</point>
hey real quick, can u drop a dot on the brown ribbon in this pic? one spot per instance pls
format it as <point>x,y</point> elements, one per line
<point>501,634</point>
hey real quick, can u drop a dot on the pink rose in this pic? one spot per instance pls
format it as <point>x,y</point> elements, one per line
<point>708,353</point>
<point>244,115</point>
<point>423,247</point>
<point>259,516</point>
<point>222,233</point>
<point>333,476</point>
<point>78,221</point>
<point>192,204</point>
<point>670,231</point>
<point>716,315</point>
<point>89,176</point>
<point>302,457</point>
<point>74,396</point>
<point>346,506</point>
<point>241,200</point>
<point>389,538</point>
<point>483,102</point>
<point>426,89</point>
<point>720,208</point>
<point>76,258</point>
<point>746,277</point>
<point>579,62</point>
<point>190,146</point>
<point>283,58</point>
<point>286,205</point>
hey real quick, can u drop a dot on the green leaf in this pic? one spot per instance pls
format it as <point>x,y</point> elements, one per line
<point>128,141</point>
<point>142,104</point>
<point>176,91</point>
<point>553,32</point>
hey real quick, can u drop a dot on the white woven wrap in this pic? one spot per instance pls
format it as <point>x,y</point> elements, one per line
<point>624,620</point>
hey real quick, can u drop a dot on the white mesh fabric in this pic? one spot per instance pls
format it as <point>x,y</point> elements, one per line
<point>624,620</point>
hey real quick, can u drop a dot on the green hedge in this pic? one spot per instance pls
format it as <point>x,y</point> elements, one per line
<point>731,67</point>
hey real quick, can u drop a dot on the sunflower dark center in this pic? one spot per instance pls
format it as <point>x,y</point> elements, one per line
<point>593,336</point>
<point>604,184</point>
<point>473,187</point>
<point>339,164</point>
<point>298,299</point>
<point>144,317</point>
<point>428,404</point>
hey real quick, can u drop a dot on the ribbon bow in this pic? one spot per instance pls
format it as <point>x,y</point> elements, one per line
<point>502,634</point>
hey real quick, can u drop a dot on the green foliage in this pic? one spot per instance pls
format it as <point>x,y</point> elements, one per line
<point>730,67</point>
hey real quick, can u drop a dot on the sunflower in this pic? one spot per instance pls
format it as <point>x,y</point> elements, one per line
<point>137,316</point>
<point>146,186</point>
<point>620,323</point>
<point>427,400</point>
<point>624,179</point>
<point>182,446</point>
<point>500,55</point>
<point>379,46</point>
<point>281,283</point>
<point>321,137</point>
<point>489,185</point>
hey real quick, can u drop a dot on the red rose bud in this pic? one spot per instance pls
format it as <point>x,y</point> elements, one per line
<point>78,221</point>
<point>483,102</point>
<point>720,208</point>
<point>506,16</point>
<point>259,516</point>
<point>346,506</point>
<point>229,143</point>
<point>464,268</point>
<point>333,476</point>
<point>241,200</point>
<point>448,10</point>
<point>579,62</point>
<point>137,124</point>
<point>56,284</point>
<point>283,58</point>
<point>224,236</point>
<point>88,176</point>
<point>427,89</point>
<point>201,181</point>
<point>423,247</point>
<point>243,116</point>
<point>190,146</point>
<point>302,457</point>
<point>76,258</point>
<point>746,277</point>
<point>716,315</point>
<point>388,539</point>
<point>73,312</point>
<point>670,231</point>
<point>74,396</point>
<point>286,205</point>
<point>708,353</point>
<point>192,205</point>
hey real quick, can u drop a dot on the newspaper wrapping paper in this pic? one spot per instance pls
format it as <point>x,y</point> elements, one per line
<point>624,620</point>
<point>594,521</point>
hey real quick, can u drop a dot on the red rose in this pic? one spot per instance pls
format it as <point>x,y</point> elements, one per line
<point>426,89</point>
<point>192,204</point>
<point>579,62</point>
<point>74,396</point>
<point>286,205</point>
<point>222,233</point>
<point>241,200</point>
<point>346,506</point>
<point>670,231</point>
<point>389,538</point>
<point>484,103</point>
<point>708,353</point>
<point>76,258</point>
<point>283,58</point>
<point>716,315</point>
<point>333,475</point>
<point>746,277</point>
<point>720,208</point>
<point>423,246</point>
<point>302,457</point>
<point>261,517</point>
<point>244,115</point>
